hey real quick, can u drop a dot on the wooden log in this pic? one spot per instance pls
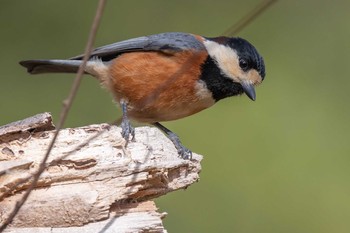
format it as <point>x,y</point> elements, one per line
<point>93,181</point>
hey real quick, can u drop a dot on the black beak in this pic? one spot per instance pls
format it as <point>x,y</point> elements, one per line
<point>249,90</point>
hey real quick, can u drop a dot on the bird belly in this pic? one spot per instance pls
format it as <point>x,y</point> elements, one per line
<point>164,109</point>
<point>159,86</point>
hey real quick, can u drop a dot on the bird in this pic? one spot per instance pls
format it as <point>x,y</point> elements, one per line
<point>167,76</point>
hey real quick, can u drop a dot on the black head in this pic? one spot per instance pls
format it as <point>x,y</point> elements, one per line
<point>237,60</point>
<point>249,58</point>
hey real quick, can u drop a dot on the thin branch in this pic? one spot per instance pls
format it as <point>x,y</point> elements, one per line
<point>66,107</point>
<point>248,18</point>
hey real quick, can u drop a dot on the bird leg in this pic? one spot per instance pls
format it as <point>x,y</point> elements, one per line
<point>127,129</point>
<point>181,150</point>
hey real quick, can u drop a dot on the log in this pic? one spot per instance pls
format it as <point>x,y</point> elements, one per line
<point>93,181</point>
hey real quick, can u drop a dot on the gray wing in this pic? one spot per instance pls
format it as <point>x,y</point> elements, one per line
<point>170,41</point>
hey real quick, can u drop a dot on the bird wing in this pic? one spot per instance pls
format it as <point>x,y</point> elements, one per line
<point>166,42</point>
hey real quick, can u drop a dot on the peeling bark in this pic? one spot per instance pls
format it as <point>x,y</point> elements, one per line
<point>92,180</point>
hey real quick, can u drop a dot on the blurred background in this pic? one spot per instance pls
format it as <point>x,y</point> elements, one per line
<point>280,164</point>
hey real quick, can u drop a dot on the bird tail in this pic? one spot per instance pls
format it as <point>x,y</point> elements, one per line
<point>51,66</point>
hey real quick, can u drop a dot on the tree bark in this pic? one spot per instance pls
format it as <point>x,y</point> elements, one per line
<point>93,182</point>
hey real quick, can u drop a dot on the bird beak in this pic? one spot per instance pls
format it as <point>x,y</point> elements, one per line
<point>249,90</point>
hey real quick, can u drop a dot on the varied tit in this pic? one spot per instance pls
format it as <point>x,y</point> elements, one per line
<point>167,76</point>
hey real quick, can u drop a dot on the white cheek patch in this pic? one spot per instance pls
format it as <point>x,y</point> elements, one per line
<point>226,58</point>
<point>253,77</point>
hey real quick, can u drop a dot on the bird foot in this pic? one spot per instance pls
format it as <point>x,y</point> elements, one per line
<point>181,149</point>
<point>184,152</point>
<point>127,130</point>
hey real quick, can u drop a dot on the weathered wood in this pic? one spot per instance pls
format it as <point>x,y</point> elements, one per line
<point>92,180</point>
<point>39,122</point>
<point>137,217</point>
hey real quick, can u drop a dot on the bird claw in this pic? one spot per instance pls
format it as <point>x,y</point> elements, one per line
<point>181,150</point>
<point>184,152</point>
<point>127,130</point>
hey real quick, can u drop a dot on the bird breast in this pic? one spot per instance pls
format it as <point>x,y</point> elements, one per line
<point>159,86</point>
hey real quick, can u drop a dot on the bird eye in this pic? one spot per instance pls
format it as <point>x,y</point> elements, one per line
<point>243,64</point>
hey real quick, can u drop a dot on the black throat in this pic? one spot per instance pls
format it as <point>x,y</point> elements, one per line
<point>219,85</point>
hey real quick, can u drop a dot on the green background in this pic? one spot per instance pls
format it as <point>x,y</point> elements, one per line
<point>280,164</point>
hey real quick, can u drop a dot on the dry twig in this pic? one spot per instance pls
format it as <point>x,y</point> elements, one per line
<point>66,107</point>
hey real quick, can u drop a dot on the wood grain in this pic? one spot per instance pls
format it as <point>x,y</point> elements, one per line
<point>91,177</point>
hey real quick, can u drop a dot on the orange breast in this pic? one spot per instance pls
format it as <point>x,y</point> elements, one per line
<point>159,86</point>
